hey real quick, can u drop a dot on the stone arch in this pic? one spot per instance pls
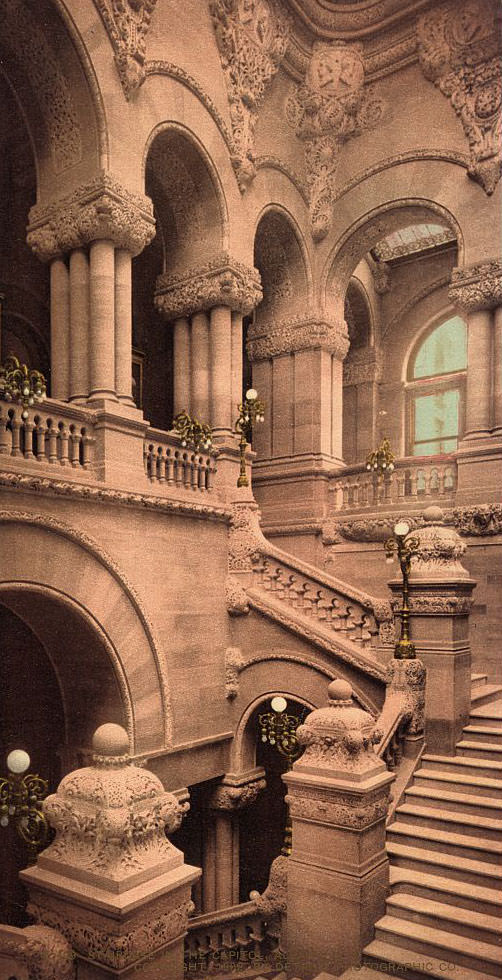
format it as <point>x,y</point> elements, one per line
<point>282,260</point>
<point>358,315</point>
<point>46,558</point>
<point>44,62</point>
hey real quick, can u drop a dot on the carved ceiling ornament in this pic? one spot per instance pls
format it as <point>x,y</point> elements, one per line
<point>460,51</point>
<point>127,23</point>
<point>252,37</point>
<point>97,210</point>
<point>221,282</point>
<point>297,333</point>
<point>328,109</point>
<point>477,287</point>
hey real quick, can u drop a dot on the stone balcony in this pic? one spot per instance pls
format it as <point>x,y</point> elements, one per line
<point>416,482</point>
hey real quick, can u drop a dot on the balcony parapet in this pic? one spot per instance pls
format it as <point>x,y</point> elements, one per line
<point>168,465</point>
<point>415,479</point>
<point>54,435</point>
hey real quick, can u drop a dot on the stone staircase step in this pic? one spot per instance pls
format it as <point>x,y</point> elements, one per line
<point>462,823</point>
<point>482,873</point>
<point>487,694</point>
<point>425,941</point>
<point>453,763</point>
<point>416,967</point>
<point>446,890</point>
<point>436,779</point>
<point>484,734</point>
<point>446,841</point>
<point>457,802</point>
<point>360,973</point>
<point>464,922</point>
<point>479,750</point>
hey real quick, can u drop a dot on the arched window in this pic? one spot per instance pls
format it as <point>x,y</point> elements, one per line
<point>436,383</point>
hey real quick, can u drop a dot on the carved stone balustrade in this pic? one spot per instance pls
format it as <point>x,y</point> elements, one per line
<point>111,882</point>
<point>231,942</point>
<point>338,876</point>
<point>53,433</point>
<point>413,480</point>
<point>168,464</point>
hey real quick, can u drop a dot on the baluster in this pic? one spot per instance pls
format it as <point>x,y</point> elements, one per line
<point>345,495</point>
<point>74,453</point>
<point>63,443</point>
<point>28,427</point>
<point>323,607</point>
<point>201,474</point>
<point>401,484</point>
<point>86,444</point>
<point>193,472</point>
<point>146,458</point>
<point>5,434</point>
<point>16,433</point>
<point>186,470</point>
<point>178,474</point>
<point>169,467</point>
<point>267,576</point>
<point>159,465</point>
<point>307,599</point>
<point>335,614</point>
<point>52,440</point>
<point>413,483</point>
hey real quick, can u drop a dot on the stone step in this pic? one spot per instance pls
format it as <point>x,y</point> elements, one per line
<point>446,890</point>
<point>479,750</point>
<point>478,681</point>
<point>457,802</point>
<point>488,715</point>
<point>473,767</point>
<point>399,963</point>
<point>458,783</point>
<point>425,941</point>
<point>447,842</point>
<point>449,918</point>
<point>486,695</point>
<point>482,873</point>
<point>484,734</point>
<point>360,973</point>
<point>461,823</point>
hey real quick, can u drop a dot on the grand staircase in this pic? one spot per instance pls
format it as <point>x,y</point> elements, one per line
<point>444,912</point>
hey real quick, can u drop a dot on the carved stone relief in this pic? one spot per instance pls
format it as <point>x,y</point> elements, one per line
<point>231,795</point>
<point>46,954</point>
<point>252,37</point>
<point>296,333</point>
<point>460,51</point>
<point>221,282</point>
<point>127,23</point>
<point>477,287</point>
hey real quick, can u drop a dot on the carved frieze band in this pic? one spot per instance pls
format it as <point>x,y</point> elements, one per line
<point>460,51</point>
<point>297,333</point>
<point>477,521</point>
<point>101,209</point>
<point>252,37</point>
<point>221,282</point>
<point>127,23</point>
<point>477,287</point>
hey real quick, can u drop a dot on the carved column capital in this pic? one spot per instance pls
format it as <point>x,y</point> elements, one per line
<point>297,333</point>
<point>101,209</point>
<point>252,37</point>
<point>477,287</point>
<point>459,47</point>
<point>221,282</point>
<point>236,792</point>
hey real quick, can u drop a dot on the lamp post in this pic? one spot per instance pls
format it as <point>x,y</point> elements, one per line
<point>278,728</point>
<point>21,795</point>
<point>250,410</point>
<point>193,433</point>
<point>381,460</point>
<point>406,548</point>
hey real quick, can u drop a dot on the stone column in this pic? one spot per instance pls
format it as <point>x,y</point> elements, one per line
<point>181,351</point>
<point>237,391</point>
<point>440,601</point>
<point>338,870</point>
<point>111,882</point>
<point>102,320</point>
<point>220,388</point>
<point>221,873</point>
<point>79,324</point>
<point>123,325</point>
<point>497,373</point>
<point>60,329</point>
<point>199,367</point>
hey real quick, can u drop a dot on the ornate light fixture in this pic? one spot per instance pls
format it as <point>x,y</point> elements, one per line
<point>19,383</point>
<point>193,433</point>
<point>278,728</point>
<point>250,410</point>
<point>381,460</point>
<point>21,795</point>
<point>406,548</point>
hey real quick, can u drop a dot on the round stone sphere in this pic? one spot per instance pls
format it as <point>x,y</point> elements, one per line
<point>433,514</point>
<point>339,690</point>
<point>110,740</point>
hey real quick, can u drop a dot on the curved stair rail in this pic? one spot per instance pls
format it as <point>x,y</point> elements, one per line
<point>231,942</point>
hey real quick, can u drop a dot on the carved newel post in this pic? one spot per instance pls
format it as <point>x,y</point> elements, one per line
<point>338,876</point>
<point>440,600</point>
<point>111,882</point>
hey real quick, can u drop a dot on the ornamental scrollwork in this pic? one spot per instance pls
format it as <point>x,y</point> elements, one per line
<point>328,109</point>
<point>221,282</point>
<point>460,51</point>
<point>252,37</point>
<point>484,519</point>
<point>127,23</point>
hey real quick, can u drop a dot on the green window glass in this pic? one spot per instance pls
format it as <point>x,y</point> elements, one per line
<point>436,388</point>
<point>444,350</point>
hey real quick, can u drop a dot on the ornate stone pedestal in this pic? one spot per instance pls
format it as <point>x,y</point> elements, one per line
<point>111,882</point>
<point>338,794</point>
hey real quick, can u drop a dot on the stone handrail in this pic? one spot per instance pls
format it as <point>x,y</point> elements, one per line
<point>415,479</point>
<point>35,953</point>
<point>393,722</point>
<point>53,433</point>
<point>233,941</point>
<point>168,463</point>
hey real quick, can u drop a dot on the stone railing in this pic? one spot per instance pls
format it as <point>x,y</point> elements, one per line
<point>168,464</point>
<point>34,953</point>
<point>238,941</point>
<point>55,433</point>
<point>416,479</point>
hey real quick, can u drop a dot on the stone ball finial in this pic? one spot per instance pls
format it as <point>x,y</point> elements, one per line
<point>339,690</point>
<point>433,515</point>
<point>110,740</point>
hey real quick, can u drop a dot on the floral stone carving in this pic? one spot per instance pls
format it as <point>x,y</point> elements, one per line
<point>274,900</point>
<point>439,551</point>
<point>234,663</point>
<point>221,282</point>
<point>327,110</point>
<point>236,598</point>
<point>45,953</point>
<point>246,541</point>
<point>127,23</point>
<point>477,287</point>
<point>406,687</point>
<point>232,794</point>
<point>340,737</point>
<point>252,37</point>
<point>296,333</point>
<point>101,209</point>
<point>460,51</point>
